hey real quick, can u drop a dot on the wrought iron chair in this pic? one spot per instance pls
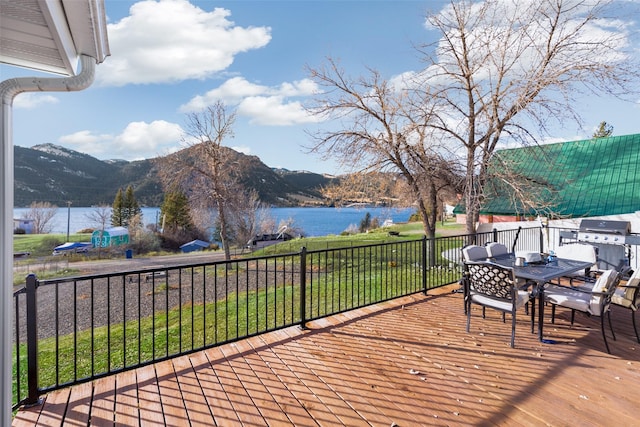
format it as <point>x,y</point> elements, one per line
<point>474,253</point>
<point>470,253</point>
<point>580,252</point>
<point>495,249</point>
<point>628,296</point>
<point>592,299</point>
<point>493,286</point>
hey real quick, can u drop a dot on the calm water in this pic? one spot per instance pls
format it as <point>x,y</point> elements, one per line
<point>314,221</point>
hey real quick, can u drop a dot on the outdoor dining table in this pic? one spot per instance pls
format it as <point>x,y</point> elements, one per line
<point>541,273</point>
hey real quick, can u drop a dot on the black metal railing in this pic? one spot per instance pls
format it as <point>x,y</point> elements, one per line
<point>78,329</point>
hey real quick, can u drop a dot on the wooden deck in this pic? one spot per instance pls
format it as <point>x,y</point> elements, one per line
<point>407,362</point>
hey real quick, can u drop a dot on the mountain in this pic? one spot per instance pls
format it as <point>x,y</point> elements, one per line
<point>54,174</point>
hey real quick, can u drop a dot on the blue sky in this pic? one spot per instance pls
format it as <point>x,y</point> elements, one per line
<point>170,57</point>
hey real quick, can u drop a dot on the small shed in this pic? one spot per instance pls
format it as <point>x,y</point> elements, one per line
<point>114,236</point>
<point>25,224</point>
<point>194,245</point>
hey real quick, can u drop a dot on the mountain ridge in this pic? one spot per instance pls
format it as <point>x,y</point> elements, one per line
<point>58,175</point>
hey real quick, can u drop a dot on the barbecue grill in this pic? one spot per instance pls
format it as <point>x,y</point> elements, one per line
<point>611,239</point>
<point>600,231</point>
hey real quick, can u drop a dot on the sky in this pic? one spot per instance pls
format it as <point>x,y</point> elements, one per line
<point>171,57</point>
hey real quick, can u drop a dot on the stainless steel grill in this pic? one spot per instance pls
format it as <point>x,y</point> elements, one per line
<point>612,240</point>
<point>607,232</point>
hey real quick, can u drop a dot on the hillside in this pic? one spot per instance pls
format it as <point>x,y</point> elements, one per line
<point>50,173</point>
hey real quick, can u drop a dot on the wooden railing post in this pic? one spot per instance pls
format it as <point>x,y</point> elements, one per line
<point>32,340</point>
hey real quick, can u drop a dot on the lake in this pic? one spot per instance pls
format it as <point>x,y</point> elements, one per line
<point>313,221</point>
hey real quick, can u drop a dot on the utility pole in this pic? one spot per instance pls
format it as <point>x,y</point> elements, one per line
<point>68,218</point>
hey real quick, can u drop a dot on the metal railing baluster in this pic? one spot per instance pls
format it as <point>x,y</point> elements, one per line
<point>282,290</point>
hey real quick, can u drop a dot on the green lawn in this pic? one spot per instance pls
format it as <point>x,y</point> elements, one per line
<point>43,244</point>
<point>341,279</point>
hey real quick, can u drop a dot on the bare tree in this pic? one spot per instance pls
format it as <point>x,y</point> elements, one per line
<point>250,215</point>
<point>41,213</point>
<point>100,216</point>
<point>381,131</point>
<point>508,70</point>
<point>203,171</point>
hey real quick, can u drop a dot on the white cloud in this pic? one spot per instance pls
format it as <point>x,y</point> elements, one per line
<point>31,100</point>
<point>139,140</point>
<point>172,40</point>
<point>264,105</point>
<point>273,111</point>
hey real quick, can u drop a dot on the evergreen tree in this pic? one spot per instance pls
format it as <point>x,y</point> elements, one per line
<point>131,206</point>
<point>175,212</point>
<point>125,208</point>
<point>117,210</point>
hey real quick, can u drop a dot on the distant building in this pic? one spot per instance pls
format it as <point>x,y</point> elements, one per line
<point>194,245</point>
<point>262,240</point>
<point>114,236</point>
<point>23,224</point>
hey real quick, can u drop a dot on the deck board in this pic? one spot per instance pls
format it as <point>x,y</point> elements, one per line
<point>149,397</point>
<point>408,361</point>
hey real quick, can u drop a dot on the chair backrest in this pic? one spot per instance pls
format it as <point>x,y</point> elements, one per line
<point>492,280</point>
<point>495,249</point>
<point>474,253</point>
<point>579,252</point>
<point>632,292</point>
<point>605,286</point>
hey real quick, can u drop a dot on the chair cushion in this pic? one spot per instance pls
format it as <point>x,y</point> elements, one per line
<point>584,300</point>
<point>567,297</point>
<point>624,295</point>
<point>521,299</point>
<point>620,298</point>
<point>496,249</point>
<point>580,252</point>
<point>605,280</point>
<point>474,253</point>
<point>633,281</point>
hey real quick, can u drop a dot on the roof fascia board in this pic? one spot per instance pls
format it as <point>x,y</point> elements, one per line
<point>88,26</point>
<point>54,14</point>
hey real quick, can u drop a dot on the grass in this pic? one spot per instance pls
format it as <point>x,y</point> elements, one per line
<point>338,280</point>
<point>406,231</point>
<point>43,244</point>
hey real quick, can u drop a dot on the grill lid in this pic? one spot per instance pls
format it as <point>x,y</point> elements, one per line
<point>605,227</point>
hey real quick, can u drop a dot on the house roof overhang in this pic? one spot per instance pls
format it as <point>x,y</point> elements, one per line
<point>51,35</point>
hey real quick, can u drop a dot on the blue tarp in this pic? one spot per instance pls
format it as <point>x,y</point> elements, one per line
<point>194,245</point>
<point>71,246</point>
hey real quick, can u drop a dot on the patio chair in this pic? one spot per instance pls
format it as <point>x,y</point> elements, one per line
<point>495,249</point>
<point>470,253</point>
<point>493,286</point>
<point>474,253</point>
<point>593,299</point>
<point>628,296</point>
<point>580,252</point>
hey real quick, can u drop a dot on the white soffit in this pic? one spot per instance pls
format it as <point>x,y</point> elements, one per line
<point>50,35</point>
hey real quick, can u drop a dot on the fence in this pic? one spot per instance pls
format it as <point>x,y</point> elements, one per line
<point>78,329</point>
